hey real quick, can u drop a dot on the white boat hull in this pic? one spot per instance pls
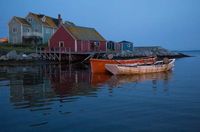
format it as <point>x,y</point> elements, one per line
<point>139,69</point>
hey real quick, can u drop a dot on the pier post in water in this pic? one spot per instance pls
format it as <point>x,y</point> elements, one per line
<point>59,54</point>
<point>69,55</point>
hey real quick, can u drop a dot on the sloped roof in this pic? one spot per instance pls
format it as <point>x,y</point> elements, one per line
<point>36,16</point>
<point>124,41</point>
<point>52,22</point>
<point>49,21</point>
<point>23,21</point>
<point>68,23</point>
<point>84,33</point>
<point>55,20</point>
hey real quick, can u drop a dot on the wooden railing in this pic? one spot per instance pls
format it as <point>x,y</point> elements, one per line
<point>27,34</point>
<point>63,50</point>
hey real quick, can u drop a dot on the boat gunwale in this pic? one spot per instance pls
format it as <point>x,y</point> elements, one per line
<point>130,59</point>
<point>121,67</point>
<point>98,64</point>
<point>144,65</point>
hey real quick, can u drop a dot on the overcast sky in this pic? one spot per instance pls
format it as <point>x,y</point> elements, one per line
<point>173,24</point>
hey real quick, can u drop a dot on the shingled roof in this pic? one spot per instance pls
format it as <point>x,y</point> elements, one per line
<point>52,22</point>
<point>49,21</point>
<point>84,33</point>
<point>22,21</point>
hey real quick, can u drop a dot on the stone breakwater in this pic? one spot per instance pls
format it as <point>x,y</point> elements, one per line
<point>150,51</point>
<point>156,51</point>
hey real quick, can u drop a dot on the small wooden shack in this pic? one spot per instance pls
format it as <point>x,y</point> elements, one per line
<point>126,46</point>
<point>77,39</point>
<point>113,46</point>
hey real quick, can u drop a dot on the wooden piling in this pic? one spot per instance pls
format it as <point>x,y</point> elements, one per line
<point>59,54</point>
<point>69,55</point>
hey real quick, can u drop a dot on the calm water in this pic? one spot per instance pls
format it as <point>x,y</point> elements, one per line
<point>69,98</point>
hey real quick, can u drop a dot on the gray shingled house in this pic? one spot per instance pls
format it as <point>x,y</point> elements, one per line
<point>33,29</point>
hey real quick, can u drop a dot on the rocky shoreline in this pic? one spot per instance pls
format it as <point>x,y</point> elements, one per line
<point>157,51</point>
<point>160,52</point>
<point>150,51</point>
<point>13,55</point>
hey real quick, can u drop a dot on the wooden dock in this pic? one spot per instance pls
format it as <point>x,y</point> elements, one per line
<point>65,54</point>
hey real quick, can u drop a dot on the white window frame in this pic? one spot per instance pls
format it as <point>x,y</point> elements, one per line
<point>30,19</point>
<point>43,19</point>
<point>61,44</point>
<point>128,45</point>
<point>14,40</point>
<point>14,30</point>
<point>47,31</point>
<point>27,30</point>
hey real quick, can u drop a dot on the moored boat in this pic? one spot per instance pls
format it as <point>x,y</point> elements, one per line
<point>98,65</point>
<point>159,66</point>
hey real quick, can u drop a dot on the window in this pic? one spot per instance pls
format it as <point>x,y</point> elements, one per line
<point>27,30</point>
<point>128,45</point>
<point>14,40</point>
<point>96,43</point>
<point>61,43</point>
<point>48,30</point>
<point>44,19</point>
<point>14,30</point>
<point>36,30</point>
<point>29,19</point>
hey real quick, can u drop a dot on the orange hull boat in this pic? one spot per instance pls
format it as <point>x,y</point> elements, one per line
<point>98,65</point>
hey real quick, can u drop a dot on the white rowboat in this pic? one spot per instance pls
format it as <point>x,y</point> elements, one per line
<point>159,66</point>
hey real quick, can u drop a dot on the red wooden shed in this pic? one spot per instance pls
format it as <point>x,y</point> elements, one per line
<point>77,39</point>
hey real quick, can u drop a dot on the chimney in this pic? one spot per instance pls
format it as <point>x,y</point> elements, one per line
<point>59,20</point>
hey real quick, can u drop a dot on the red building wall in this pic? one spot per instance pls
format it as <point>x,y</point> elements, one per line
<point>62,35</point>
<point>82,46</point>
<point>117,47</point>
<point>102,46</point>
<point>86,45</point>
<point>69,42</point>
<point>79,45</point>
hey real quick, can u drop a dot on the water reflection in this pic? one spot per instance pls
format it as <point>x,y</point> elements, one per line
<point>69,81</point>
<point>60,98</point>
<point>28,87</point>
<point>37,87</point>
<point>116,80</point>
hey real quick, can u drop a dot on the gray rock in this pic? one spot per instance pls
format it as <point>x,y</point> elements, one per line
<point>34,55</point>
<point>12,55</point>
<point>3,57</point>
<point>152,51</point>
<point>19,56</point>
<point>28,58</point>
<point>23,56</point>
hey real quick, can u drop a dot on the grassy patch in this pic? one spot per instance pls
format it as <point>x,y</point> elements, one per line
<point>28,48</point>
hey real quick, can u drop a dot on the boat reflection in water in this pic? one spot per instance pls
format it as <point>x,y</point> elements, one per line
<point>69,80</point>
<point>48,90</point>
<point>116,80</point>
<point>37,87</point>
